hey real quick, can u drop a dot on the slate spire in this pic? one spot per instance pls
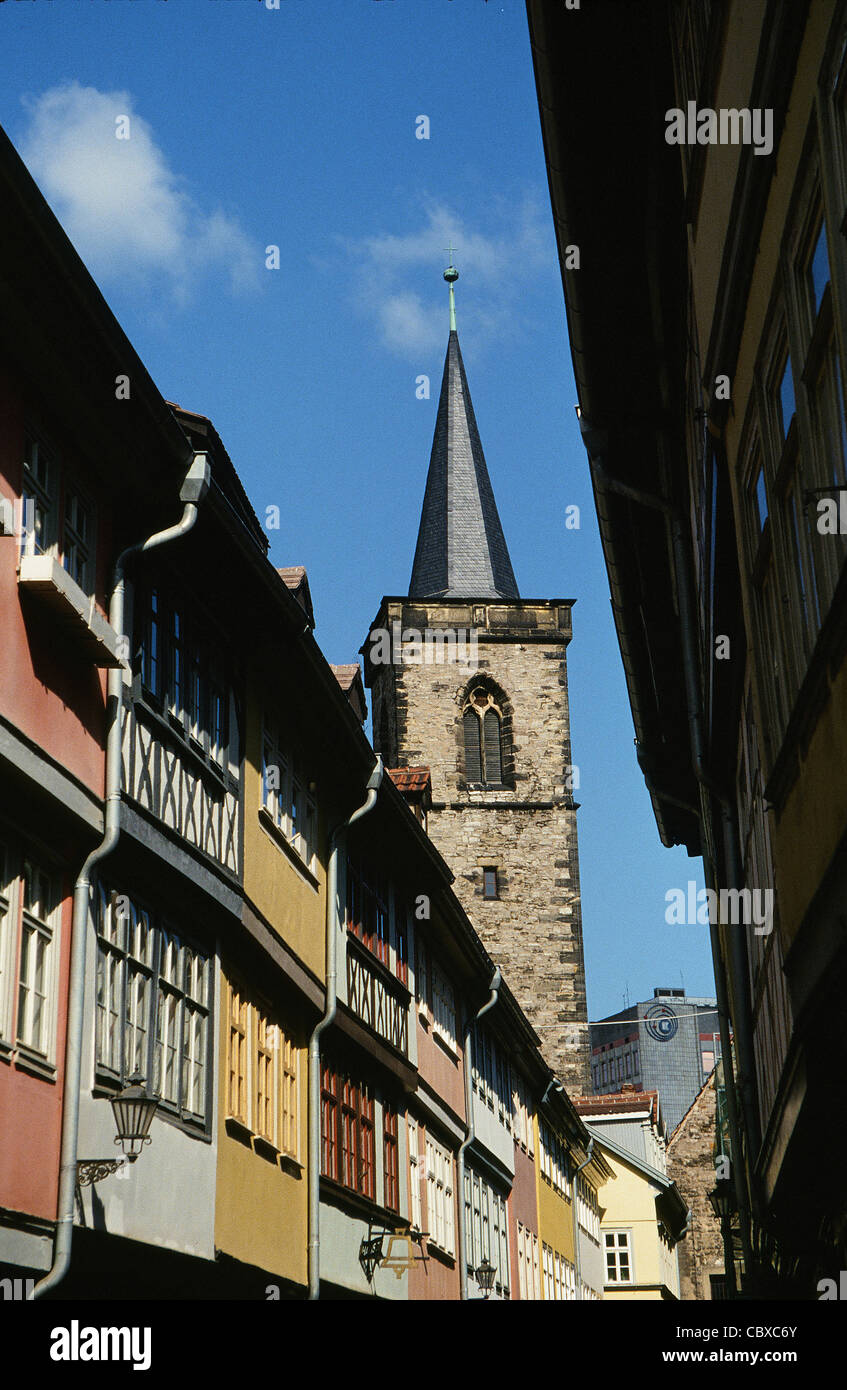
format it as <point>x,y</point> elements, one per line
<point>461,550</point>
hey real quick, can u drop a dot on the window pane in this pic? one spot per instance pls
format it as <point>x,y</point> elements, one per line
<point>819,268</point>
<point>761,499</point>
<point>786,398</point>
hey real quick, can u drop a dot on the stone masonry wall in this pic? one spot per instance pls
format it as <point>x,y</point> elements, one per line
<point>691,1165</point>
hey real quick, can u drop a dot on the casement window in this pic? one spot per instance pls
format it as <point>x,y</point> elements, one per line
<point>262,1070</point>
<point>401,943</point>
<point>416,1175</point>
<point>237,1105</point>
<point>182,673</point>
<point>153,1008</point>
<point>482,726</point>
<point>264,1055</point>
<point>369,917</point>
<point>347,1128</point>
<point>489,883</point>
<point>554,1160</point>
<point>529,1273</point>
<point>29,947</point>
<point>618,1249</point>
<point>547,1261</point>
<point>443,1005</point>
<point>588,1212</point>
<point>35,964</point>
<point>439,1196</point>
<point>491,1075</point>
<point>58,518</point>
<point>486,1229</point>
<point>522,1113</point>
<point>286,797</point>
<point>391,1158</point>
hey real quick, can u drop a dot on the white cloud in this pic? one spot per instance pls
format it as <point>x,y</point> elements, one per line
<point>126,211</point>
<point>498,263</point>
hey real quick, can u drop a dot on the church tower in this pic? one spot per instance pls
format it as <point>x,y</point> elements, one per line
<point>470,679</point>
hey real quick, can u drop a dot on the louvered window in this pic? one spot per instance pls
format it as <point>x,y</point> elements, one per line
<point>491,735</point>
<point>482,724</point>
<point>473,750</point>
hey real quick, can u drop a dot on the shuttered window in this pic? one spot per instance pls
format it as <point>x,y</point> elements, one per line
<point>473,751</point>
<point>491,735</point>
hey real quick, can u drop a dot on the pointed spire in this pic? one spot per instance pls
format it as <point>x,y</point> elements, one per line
<point>461,550</point>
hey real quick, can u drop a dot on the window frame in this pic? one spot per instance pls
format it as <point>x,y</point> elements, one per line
<point>193,1068</point>
<point>478,704</point>
<point>615,1250</point>
<point>50,499</point>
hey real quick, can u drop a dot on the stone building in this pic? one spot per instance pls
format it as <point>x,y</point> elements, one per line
<point>691,1164</point>
<point>470,679</point>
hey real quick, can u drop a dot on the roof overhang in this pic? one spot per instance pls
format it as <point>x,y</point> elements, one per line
<point>616,193</point>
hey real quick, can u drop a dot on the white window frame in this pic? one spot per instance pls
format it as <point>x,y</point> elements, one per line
<point>300,830</point>
<point>42,929</point>
<point>439,1196</point>
<point>621,1241</point>
<point>443,1005</point>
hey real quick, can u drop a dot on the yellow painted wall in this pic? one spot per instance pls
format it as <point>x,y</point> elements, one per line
<point>281,891</point>
<point>630,1203</point>
<point>261,1209</point>
<point>555,1213</point>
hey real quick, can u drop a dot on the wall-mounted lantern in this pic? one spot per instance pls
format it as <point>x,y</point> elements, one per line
<point>485,1273</point>
<point>133,1109</point>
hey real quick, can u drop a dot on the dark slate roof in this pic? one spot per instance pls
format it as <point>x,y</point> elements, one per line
<point>461,550</point>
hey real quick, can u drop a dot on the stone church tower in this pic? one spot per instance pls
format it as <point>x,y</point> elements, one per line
<point>470,679</point>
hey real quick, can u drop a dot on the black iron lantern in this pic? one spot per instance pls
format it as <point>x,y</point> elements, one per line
<point>722,1198</point>
<point>485,1273</point>
<point>133,1110</point>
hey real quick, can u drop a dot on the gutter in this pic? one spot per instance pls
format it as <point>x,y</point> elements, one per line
<point>595,442</point>
<point>192,493</point>
<point>314,1174</point>
<point>496,981</point>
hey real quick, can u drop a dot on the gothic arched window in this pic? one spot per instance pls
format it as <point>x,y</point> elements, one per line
<point>482,724</point>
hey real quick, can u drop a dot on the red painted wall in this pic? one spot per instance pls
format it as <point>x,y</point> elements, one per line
<point>440,1069</point>
<point>56,701</point>
<point>523,1207</point>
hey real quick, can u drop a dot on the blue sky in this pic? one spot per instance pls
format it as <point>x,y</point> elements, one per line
<point>251,127</point>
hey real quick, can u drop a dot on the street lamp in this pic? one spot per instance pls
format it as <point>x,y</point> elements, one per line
<point>722,1198</point>
<point>133,1110</point>
<point>485,1273</point>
